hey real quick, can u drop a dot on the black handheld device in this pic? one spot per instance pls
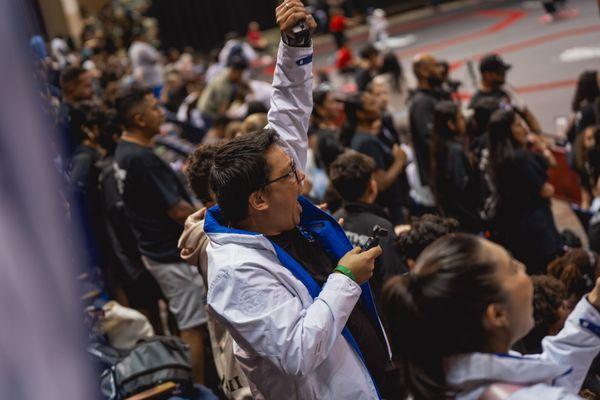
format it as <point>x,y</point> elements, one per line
<point>373,241</point>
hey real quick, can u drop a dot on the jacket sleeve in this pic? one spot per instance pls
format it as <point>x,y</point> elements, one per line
<point>291,101</point>
<point>576,346</point>
<point>267,318</point>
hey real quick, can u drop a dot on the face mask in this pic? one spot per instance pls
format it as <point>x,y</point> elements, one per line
<point>434,81</point>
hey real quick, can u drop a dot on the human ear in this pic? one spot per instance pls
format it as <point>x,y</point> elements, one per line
<point>495,317</point>
<point>139,120</point>
<point>257,201</point>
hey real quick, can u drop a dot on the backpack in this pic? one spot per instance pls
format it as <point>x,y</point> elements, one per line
<point>151,362</point>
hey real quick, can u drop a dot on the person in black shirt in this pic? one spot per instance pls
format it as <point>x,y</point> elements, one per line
<point>493,71</point>
<point>157,205</point>
<point>523,220</point>
<point>363,115</point>
<point>422,103</point>
<point>352,176</point>
<point>370,64</point>
<point>455,178</point>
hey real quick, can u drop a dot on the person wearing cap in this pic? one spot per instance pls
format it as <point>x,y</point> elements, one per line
<point>493,71</point>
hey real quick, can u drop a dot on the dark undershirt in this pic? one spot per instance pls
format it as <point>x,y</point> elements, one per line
<point>317,263</point>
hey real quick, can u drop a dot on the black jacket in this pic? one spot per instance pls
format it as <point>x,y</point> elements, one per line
<point>359,220</point>
<point>422,105</point>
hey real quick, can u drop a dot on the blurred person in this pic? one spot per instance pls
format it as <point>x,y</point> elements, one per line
<point>146,62</point>
<point>174,91</point>
<point>368,66</point>
<point>449,89</point>
<point>380,88</point>
<point>254,37</point>
<point>338,24</point>
<point>421,232</point>
<point>298,325</point>
<point>223,90</point>
<point>391,66</point>
<point>478,124</point>
<point>157,205</point>
<point>352,176</point>
<point>583,106</point>
<point>254,122</point>
<point>362,130</point>
<point>556,9</point>
<point>421,108</point>
<point>378,26</point>
<point>483,299</point>
<point>236,50</point>
<point>549,312</point>
<point>586,162</point>
<point>76,85</point>
<point>344,59</point>
<point>523,221</point>
<point>217,132</point>
<point>325,120</point>
<point>455,178</point>
<point>233,129</point>
<point>493,71</point>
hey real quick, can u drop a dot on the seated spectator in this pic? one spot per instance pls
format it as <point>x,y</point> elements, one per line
<point>586,151</point>
<point>456,182</point>
<point>352,176</point>
<point>220,93</point>
<point>158,205</point>
<point>421,232</point>
<point>578,269</point>
<point>483,300</point>
<point>549,311</point>
<point>362,129</point>
<point>523,221</point>
<point>255,38</point>
<point>146,61</point>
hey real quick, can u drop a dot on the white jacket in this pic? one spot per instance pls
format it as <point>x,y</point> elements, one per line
<point>288,344</point>
<point>555,374</point>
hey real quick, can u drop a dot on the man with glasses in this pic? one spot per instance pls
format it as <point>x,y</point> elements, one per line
<point>157,205</point>
<point>282,276</point>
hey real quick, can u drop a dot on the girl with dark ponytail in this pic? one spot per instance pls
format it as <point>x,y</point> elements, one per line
<point>454,318</point>
<point>523,221</point>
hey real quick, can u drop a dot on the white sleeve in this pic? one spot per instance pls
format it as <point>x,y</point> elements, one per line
<point>576,345</point>
<point>291,101</point>
<point>267,318</point>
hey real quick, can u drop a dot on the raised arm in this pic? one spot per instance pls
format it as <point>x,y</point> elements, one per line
<point>291,101</point>
<point>577,344</point>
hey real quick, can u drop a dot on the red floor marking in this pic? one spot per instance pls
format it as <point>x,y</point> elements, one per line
<point>531,43</point>
<point>538,87</point>
<point>510,17</point>
<point>402,27</point>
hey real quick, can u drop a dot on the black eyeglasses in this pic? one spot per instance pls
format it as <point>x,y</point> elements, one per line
<point>292,173</point>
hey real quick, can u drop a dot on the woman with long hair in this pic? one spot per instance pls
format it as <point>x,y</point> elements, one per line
<point>455,178</point>
<point>524,223</point>
<point>454,318</point>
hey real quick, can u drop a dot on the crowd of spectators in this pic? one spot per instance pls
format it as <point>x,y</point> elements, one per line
<point>148,140</point>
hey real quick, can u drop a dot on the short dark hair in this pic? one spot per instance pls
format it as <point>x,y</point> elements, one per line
<point>200,163</point>
<point>126,101</point>
<point>350,174</point>
<point>423,231</point>
<point>368,51</point>
<point>548,296</point>
<point>240,168</point>
<point>70,75</point>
